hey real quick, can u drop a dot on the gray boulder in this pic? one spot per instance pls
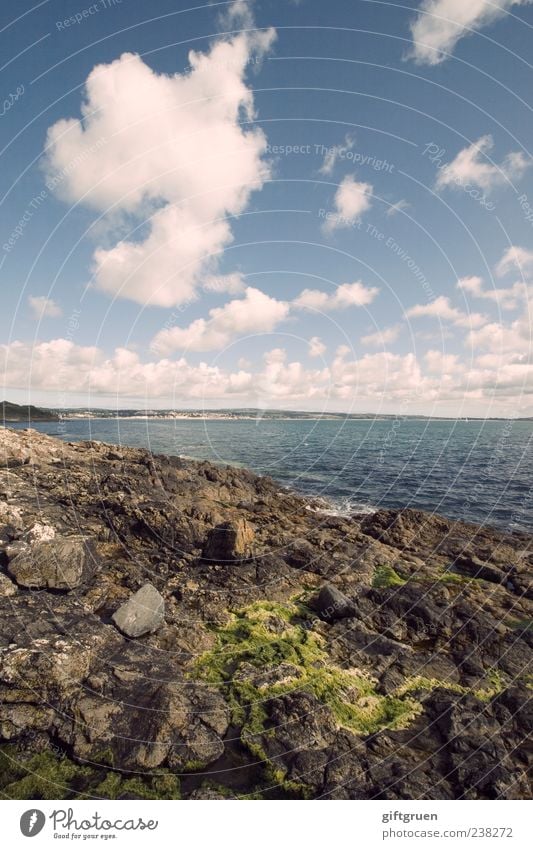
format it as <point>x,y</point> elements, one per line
<point>62,563</point>
<point>331,604</point>
<point>143,613</point>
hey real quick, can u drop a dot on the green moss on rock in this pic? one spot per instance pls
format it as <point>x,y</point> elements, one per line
<point>386,576</point>
<point>48,775</point>
<point>266,637</point>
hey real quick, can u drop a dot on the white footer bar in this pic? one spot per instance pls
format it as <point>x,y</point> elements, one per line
<point>268,824</point>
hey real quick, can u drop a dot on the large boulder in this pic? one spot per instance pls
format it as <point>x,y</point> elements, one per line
<point>62,563</point>
<point>230,541</point>
<point>331,604</point>
<point>143,613</point>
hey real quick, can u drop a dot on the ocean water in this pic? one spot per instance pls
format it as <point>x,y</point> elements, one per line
<point>479,471</point>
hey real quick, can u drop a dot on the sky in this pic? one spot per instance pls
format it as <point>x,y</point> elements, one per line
<point>275,204</point>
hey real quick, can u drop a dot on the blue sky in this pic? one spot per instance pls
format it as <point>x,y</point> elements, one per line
<point>326,206</point>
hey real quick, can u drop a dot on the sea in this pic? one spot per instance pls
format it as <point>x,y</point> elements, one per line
<point>478,471</point>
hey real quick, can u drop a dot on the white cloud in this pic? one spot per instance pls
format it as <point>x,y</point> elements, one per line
<point>441,23</point>
<point>472,166</point>
<point>352,199</point>
<point>508,298</point>
<point>346,295</point>
<point>382,337</point>
<point>515,338</point>
<point>233,284</point>
<point>375,374</point>
<point>316,347</point>
<point>515,258</point>
<point>438,362</point>
<point>255,313</point>
<point>335,153</point>
<point>238,13</point>
<point>397,207</point>
<point>442,309</point>
<point>176,155</point>
<point>499,375</point>
<point>42,307</point>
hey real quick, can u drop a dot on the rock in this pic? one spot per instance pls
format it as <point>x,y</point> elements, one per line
<point>211,794</point>
<point>229,542</point>
<point>331,604</point>
<point>62,563</point>
<point>7,587</point>
<point>412,684</point>
<point>40,532</point>
<point>143,613</point>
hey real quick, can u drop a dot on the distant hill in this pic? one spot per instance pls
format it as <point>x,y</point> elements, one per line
<point>25,413</point>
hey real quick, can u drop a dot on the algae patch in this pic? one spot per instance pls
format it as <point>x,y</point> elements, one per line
<point>265,651</point>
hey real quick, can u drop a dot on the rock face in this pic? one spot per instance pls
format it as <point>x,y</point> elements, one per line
<point>63,563</point>
<point>163,618</point>
<point>331,604</point>
<point>143,613</point>
<point>229,542</point>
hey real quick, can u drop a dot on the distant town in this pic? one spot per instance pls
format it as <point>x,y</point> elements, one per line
<point>13,413</point>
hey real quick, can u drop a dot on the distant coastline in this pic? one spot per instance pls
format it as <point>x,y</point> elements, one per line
<point>16,413</point>
<point>21,413</point>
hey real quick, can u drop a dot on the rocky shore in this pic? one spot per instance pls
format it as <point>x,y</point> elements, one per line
<point>175,629</point>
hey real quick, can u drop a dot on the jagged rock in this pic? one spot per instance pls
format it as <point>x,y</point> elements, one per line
<point>230,541</point>
<point>143,613</point>
<point>331,604</point>
<point>62,563</point>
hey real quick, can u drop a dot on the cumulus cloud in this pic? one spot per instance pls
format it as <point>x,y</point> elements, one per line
<point>346,295</point>
<point>472,166</point>
<point>42,307</point>
<point>238,14</point>
<point>382,337</point>
<point>60,364</point>
<point>508,298</point>
<point>373,374</point>
<point>442,309</point>
<point>233,284</point>
<point>517,258</point>
<point>351,200</point>
<point>437,362</point>
<point>316,347</point>
<point>335,153</point>
<point>178,157</point>
<point>499,368</point>
<point>255,313</point>
<point>441,23</point>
